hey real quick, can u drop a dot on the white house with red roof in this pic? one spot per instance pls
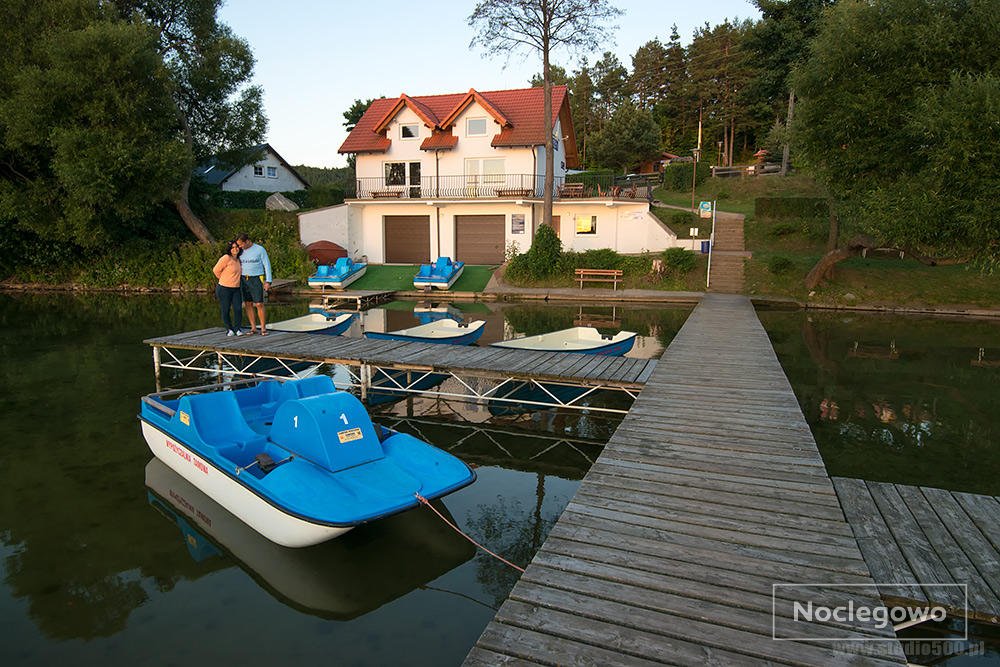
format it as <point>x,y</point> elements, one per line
<point>462,175</point>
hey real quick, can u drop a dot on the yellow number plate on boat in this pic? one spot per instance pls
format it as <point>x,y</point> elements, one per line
<point>349,435</point>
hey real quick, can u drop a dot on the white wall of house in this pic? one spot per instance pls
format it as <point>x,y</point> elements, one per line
<point>627,228</point>
<point>468,156</point>
<point>331,223</point>
<point>559,153</point>
<point>624,227</point>
<point>400,150</point>
<point>274,177</point>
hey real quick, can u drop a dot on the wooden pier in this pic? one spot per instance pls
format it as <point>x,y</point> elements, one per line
<point>938,538</point>
<point>710,492</point>
<point>355,299</point>
<point>370,361</point>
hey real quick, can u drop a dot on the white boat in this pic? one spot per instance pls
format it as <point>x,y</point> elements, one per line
<point>316,323</point>
<point>581,340</point>
<point>297,461</point>
<point>439,331</point>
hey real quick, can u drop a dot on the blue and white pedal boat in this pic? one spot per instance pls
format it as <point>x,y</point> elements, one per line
<point>581,340</point>
<point>344,272</point>
<point>442,274</point>
<point>315,323</point>
<point>297,461</point>
<point>440,331</point>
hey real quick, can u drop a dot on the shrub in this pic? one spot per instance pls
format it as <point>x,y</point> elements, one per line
<point>677,177</point>
<point>780,265</point>
<point>684,219</point>
<point>543,258</point>
<point>782,229</point>
<point>775,208</point>
<point>603,258</point>
<point>679,261</point>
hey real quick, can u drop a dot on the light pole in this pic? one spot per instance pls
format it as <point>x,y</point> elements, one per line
<point>694,173</point>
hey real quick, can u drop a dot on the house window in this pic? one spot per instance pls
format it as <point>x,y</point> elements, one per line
<point>484,175</point>
<point>272,172</point>
<point>258,171</point>
<point>586,224</point>
<point>411,131</point>
<point>404,173</point>
<point>475,127</point>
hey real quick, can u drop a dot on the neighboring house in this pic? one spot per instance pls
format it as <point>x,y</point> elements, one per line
<point>462,175</point>
<point>268,173</point>
<point>656,166</point>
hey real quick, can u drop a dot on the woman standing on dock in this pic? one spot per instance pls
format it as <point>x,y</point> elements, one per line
<point>228,291</point>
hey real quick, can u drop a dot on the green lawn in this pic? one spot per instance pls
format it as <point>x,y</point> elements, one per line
<point>737,195</point>
<point>400,278</point>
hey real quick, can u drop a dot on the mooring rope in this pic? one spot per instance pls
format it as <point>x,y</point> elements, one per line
<point>459,531</point>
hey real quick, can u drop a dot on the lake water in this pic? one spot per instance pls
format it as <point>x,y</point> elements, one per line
<point>108,558</point>
<point>99,568</point>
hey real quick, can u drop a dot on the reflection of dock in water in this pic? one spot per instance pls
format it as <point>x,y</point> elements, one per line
<point>931,539</point>
<point>341,579</point>
<point>488,444</point>
<point>982,362</point>
<point>874,351</point>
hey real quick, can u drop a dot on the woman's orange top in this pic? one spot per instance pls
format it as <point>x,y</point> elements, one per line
<point>227,270</point>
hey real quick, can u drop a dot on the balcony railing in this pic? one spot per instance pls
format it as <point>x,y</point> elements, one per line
<point>507,186</point>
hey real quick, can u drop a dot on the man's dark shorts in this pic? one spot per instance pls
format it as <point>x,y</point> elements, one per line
<point>252,288</point>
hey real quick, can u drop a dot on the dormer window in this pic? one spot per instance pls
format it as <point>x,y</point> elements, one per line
<point>409,131</point>
<point>475,127</point>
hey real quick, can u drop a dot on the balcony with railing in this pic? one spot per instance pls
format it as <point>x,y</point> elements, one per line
<point>506,186</point>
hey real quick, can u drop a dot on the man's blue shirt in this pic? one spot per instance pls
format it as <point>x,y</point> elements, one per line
<point>254,262</point>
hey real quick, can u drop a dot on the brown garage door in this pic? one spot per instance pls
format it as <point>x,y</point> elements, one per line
<point>479,239</point>
<point>407,239</point>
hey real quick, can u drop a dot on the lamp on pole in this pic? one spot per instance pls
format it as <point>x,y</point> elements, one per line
<point>694,174</point>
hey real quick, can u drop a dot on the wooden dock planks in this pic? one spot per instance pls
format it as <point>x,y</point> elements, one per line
<point>920,536</point>
<point>589,370</point>
<point>710,491</point>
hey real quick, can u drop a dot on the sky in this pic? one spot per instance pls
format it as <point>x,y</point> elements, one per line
<point>315,57</point>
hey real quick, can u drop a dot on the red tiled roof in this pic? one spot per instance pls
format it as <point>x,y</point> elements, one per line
<point>470,97</point>
<point>522,109</point>
<point>439,140</point>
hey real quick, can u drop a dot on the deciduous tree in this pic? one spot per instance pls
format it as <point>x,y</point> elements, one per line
<point>506,26</point>
<point>88,139</point>
<point>218,112</point>
<point>899,116</point>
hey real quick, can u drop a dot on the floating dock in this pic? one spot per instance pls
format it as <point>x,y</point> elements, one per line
<point>710,492</point>
<point>481,373</point>
<point>356,299</point>
<point>941,539</point>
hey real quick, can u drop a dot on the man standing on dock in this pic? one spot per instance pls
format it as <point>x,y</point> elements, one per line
<point>255,282</point>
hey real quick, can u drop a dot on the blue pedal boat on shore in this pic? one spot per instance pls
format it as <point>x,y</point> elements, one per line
<point>297,461</point>
<point>344,272</point>
<point>581,340</point>
<point>442,274</point>
<point>447,332</point>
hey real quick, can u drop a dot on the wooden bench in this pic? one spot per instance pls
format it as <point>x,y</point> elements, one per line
<point>568,190</point>
<point>513,192</point>
<point>599,276</point>
<point>387,194</point>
